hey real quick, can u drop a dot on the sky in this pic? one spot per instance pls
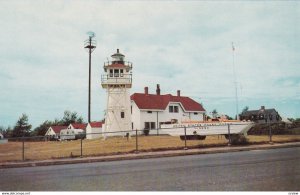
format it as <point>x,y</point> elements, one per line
<point>181,45</point>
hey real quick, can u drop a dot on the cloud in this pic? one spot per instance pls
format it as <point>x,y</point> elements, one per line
<point>180,45</point>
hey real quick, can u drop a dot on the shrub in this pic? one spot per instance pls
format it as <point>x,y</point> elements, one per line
<point>239,140</point>
<point>146,132</point>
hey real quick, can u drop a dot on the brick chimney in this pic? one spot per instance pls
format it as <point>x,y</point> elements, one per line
<point>157,89</point>
<point>178,93</point>
<point>146,90</point>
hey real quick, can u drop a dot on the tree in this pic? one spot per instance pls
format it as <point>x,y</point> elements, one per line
<point>2,129</point>
<point>214,113</point>
<point>6,132</point>
<point>22,127</point>
<point>42,128</point>
<point>71,117</point>
<point>245,109</point>
<point>228,117</point>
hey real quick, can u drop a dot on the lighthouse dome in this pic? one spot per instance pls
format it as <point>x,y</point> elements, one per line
<point>118,57</point>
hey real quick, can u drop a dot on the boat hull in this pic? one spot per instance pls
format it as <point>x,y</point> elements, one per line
<point>203,129</point>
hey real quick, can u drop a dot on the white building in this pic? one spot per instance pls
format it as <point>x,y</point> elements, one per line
<point>117,81</point>
<point>94,130</point>
<point>150,110</point>
<point>77,126</point>
<point>54,131</point>
<point>1,136</point>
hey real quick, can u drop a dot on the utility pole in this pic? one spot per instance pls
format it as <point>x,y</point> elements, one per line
<point>90,45</point>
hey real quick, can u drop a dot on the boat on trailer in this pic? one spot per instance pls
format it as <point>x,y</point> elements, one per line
<point>198,130</point>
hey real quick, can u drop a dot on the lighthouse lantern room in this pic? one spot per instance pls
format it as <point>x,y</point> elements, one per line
<point>117,81</point>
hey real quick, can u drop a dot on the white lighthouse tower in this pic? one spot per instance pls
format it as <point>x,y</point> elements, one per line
<point>117,81</point>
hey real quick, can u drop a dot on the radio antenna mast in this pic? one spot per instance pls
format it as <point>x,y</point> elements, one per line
<point>235,84</point>
<point>90,45</point>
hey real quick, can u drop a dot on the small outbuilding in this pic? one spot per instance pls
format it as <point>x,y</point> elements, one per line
<point>54,131</point>
<point>77,126</point>
<point>94,130</point>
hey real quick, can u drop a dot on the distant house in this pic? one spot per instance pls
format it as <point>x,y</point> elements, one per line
<point>54,131</point>
<point>262,115</point>
<point>94,130</point>
<point>77,126</point>
<point>73,131</point>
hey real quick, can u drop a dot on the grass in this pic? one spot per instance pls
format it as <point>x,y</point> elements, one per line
<point>12,151</point>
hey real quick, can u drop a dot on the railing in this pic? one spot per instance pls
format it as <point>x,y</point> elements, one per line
<point>126,63</point>
<point>122,79</point>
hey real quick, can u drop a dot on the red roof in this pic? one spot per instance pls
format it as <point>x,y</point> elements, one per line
<point>96,124</point>
<point>116,65</point>
<point>79,125</point>
<point>58,128</point>
<point>160,102</point>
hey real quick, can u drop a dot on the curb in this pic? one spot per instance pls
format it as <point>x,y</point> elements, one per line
<point>146,155</point>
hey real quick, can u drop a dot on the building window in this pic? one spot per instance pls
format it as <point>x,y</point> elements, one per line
<point>152,125</point>
<point>116,72</point>
<point>111,73</point>
<point>271,117</point>
<point>173,109</point>
<point>149,112</point>
<point>170,108</point>
<point>121,73</point>
<point>195,113</point>
<point>149,125</point>
<point>176,109</point>
<point>122,114</point>
<point>261,116</point>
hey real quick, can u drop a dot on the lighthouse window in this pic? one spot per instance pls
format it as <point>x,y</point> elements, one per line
<point>111,74</point>
<point>121,73</point>
<point>116,72</point>
<point>122,115</point>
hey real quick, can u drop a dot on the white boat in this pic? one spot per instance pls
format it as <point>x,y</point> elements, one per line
<point>199,130</point>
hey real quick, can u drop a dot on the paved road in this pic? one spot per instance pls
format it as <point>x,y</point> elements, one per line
<point>260,170</point>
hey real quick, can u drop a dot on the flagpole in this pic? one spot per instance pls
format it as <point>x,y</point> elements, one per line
<point>235,83</point>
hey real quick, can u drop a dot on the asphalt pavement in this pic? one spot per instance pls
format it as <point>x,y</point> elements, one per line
<point>254,170</point>
<point>144,155</point>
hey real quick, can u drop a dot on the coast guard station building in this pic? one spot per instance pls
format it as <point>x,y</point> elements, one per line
<point>148,111</point>
<point>141,111</point>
